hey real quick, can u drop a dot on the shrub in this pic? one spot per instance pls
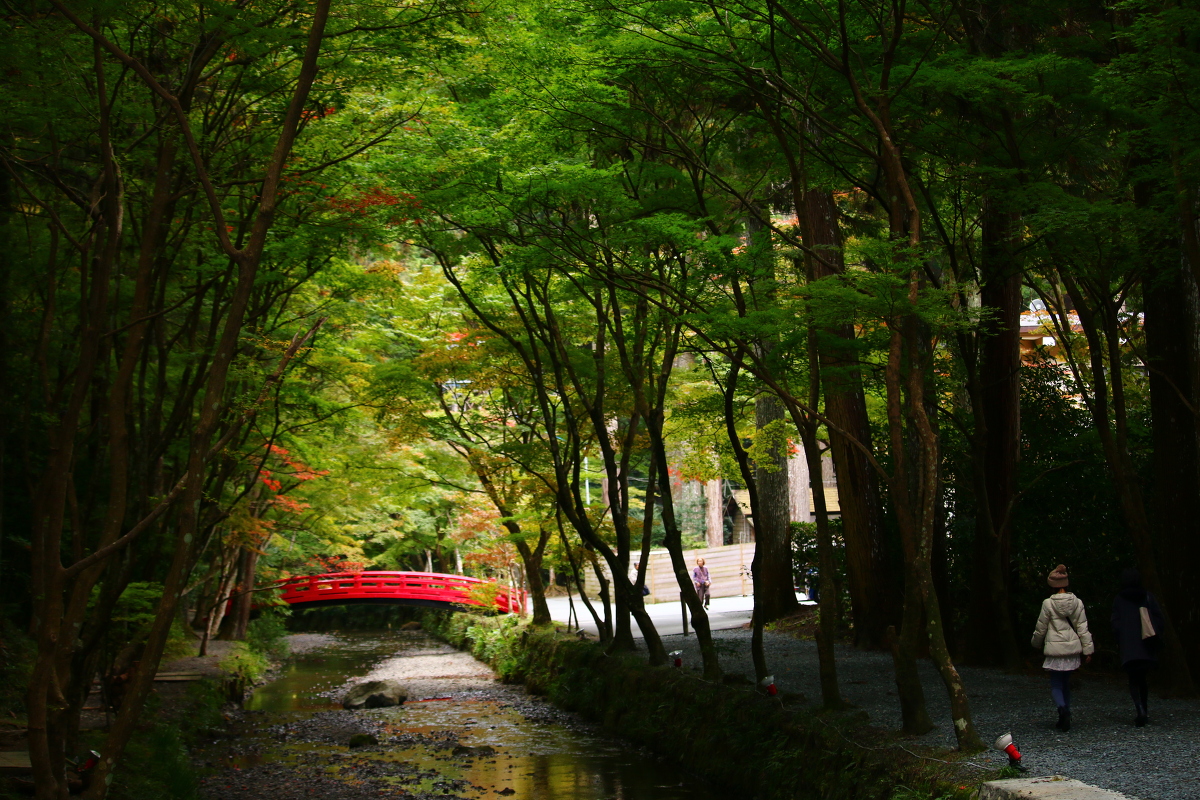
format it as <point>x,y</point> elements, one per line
<point>495,641</point>
<point>481,598</point>
<point>245,664</point>
<point>267,635</point>
<point>156,764</point>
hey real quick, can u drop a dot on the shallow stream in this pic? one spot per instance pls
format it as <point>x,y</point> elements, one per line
<point>460,735</point>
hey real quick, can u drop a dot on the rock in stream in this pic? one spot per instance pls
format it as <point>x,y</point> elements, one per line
<point>375,694</point>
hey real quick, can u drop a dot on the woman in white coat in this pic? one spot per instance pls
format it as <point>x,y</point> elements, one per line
<point>1063,637</point>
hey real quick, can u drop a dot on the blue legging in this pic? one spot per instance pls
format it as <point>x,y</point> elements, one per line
<point>1060,687</point>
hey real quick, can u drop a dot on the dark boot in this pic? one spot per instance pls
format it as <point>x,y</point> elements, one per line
<point>1064,719</point>
<point>1142,716</point>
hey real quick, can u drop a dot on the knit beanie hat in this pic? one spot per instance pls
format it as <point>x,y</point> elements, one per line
<point>1058,578</point>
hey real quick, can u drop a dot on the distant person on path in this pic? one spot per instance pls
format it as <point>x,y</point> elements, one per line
<point>701,581</point>
<point>1063,636</point>
<point>1137,636</point>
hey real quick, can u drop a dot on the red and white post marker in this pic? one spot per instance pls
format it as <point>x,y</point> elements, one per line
<point>1006,745</point>
<point>768,684</point>
<point>676,657</point>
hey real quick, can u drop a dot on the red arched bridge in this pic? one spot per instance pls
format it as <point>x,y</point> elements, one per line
<point>429,589</point>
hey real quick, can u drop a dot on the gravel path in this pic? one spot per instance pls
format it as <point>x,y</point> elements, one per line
<point>202,665</point>
<point>1103,748</point>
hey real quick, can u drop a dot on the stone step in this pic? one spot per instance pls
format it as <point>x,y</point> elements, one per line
<point>1055,787</point>
<point>14,761</point>
<point>179,676</point>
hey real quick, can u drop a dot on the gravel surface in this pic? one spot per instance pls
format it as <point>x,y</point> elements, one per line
<point>434,671</point>
<point>299,643</point>
<point>1103,748</point>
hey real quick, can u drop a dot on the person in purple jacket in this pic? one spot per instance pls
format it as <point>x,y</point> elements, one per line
<point>701,581</point>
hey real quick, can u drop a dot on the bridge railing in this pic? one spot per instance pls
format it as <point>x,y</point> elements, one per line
<point>382,585</point>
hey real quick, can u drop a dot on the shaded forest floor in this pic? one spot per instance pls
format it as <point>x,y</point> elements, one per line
<point>1102,748</point>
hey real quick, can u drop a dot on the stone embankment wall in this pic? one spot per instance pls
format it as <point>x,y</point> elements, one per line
<point>757,746</point>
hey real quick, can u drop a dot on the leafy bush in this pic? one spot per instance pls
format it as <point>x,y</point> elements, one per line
<point>245,664</point>
<point>267,635</point>
<point>481,598</point>
<point>156,764</point>
<point>203,703</point>
<point>180,643</point>
<point>496,643</point>
<point>133,615</point>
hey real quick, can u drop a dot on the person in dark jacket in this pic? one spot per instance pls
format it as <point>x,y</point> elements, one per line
<point>1137,649</point>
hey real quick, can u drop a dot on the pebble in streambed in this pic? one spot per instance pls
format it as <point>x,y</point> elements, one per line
<point>461,736</point>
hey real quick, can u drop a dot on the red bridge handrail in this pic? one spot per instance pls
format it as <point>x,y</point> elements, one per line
<point>380,585</point>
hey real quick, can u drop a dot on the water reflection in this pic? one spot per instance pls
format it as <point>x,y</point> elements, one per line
<point>469,745</point>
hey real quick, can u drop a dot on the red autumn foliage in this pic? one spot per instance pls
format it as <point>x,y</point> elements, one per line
<point>372,198</point>
<point>375,199</point>
<point>338,563</point>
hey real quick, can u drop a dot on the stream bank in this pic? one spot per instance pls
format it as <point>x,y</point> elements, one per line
<point>768,748</point>
<point>461,734</point>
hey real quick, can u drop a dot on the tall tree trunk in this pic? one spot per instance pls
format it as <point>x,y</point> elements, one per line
<point>243,594</point>
<point>673,542</point>
<point>914,716</point>
<point>830,598</point>
<point>191,496</point>
<point>774,593</point>
<point>532,559</point>
<point>7,400</point>
<point>605,601</point>
<point>918,512</point>
<point>995,389</point>
<point>602,631</point>
<point>216,615</point>
<point>875,594</point>
<point>827,631</point>
<point>757,653</point>
<point>1173,360</point>
<point>1172,327</point>
<point>772,519</point>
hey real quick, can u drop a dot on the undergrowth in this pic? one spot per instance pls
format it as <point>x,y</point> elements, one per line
<point>731,734</point>
<point>156,764</point>
<point>245,664</point>
<point>267,635</point>
<point>17,655</point>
